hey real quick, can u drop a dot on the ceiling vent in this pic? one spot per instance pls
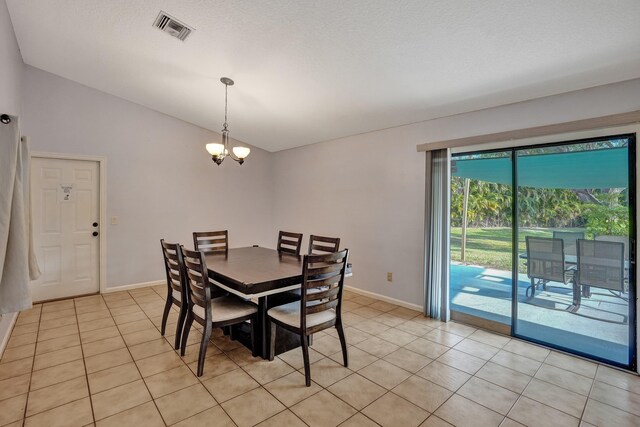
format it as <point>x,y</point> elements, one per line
<point>172,26</point>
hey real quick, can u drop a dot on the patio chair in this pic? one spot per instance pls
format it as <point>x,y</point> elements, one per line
<point>619,239</point>
<point>600,265</point>
<point>569,238</point>
<point>545,263</point>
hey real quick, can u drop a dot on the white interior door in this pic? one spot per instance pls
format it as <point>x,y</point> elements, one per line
<point>66,211</point>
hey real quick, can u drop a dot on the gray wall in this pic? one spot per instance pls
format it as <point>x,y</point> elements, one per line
<point>369,189</point>
<point>11,65</point>
<point>161,183</point>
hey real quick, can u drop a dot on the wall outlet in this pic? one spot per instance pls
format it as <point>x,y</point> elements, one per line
<point>114,220</point>
<point>389,277</point>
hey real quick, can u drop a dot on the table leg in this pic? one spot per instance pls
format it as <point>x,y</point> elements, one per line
<point>263,334</point>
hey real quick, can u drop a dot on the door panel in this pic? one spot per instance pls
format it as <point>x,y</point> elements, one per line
<point>568,205</point>
<point>481,240</point>
<point>65,198</point>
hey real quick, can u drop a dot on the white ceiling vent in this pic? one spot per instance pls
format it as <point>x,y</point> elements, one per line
<point>172,26</point>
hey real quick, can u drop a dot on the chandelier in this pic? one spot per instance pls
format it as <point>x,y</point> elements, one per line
<point>220,151</point>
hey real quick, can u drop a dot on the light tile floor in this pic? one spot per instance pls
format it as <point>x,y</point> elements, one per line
<point>102,360</point>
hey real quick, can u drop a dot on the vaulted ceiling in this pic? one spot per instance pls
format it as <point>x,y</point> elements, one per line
<point>309,71</point>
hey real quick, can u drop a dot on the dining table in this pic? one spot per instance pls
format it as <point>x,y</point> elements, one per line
<point>264,275</point>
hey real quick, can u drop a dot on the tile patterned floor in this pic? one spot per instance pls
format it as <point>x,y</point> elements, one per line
<point>102,360</point>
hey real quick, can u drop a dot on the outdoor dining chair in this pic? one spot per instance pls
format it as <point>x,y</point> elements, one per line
<point>545,263</point>
<point>570,239</point>
<point>600,265</point>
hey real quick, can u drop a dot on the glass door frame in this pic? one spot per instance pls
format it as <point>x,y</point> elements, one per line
<point>512,330</point>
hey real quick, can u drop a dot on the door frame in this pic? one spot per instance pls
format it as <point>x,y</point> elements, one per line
<point>102,197</point>
<point>633,132</point>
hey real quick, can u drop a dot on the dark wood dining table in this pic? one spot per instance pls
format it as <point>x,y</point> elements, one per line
<point>264,274</point>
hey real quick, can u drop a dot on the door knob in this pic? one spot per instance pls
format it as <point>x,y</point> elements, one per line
<point>95,233</point>
<point>95,224</point>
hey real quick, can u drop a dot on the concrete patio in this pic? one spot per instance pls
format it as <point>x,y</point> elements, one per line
<point>599,328</point>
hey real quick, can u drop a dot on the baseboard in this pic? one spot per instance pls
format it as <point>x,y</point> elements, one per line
<point>385,298</point>
<point>6,326</point>
<point>133,286</point>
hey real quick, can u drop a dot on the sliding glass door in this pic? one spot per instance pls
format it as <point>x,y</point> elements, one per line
<point>574,230</point>
<point>543,247</point>
<point>481,239</point>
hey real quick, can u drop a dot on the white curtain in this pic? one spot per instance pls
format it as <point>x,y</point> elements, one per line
<point>436,268</point>
<point>17,259</point>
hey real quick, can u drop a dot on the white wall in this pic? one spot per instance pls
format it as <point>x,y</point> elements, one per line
<point>161,183</point>
<point>369,189</point>
<point>11,65</point>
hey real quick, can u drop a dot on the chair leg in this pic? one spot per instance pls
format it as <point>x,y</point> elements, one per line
<point>305,357</point>
<point>165,315</point>
<point>203,348</point>
<point>185,332</point>
<point>272,346</point>
<point>180,326</point>
<point>343,343</point>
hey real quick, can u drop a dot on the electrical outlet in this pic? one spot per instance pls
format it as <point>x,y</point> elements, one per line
<point>389,277</point>
<point>114,220</point>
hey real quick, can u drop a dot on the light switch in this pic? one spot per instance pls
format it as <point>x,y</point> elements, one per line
<point>389,277</point>
<point>114,220</point>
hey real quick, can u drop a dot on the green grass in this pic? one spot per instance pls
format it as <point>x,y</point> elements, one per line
<point>491,247</point>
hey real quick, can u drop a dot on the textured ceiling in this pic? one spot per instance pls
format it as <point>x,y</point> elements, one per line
<point>309,71</point>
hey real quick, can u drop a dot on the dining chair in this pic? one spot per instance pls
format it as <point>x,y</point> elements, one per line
<point>289,243</point>
<point>212,242</point>
<point>319,307</point>
<point>546,263</point>
<point>321,244</point>
<point>176,287</point>
<point>211,313</point>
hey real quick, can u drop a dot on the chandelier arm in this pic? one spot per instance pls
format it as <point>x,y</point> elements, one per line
<point>237,159</point>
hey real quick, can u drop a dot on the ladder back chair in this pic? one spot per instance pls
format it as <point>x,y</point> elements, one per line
<point>545,262</point>
<point>212,242</point>
<point>176,287</point>
<point>289,243</point>
<point>208,312</point>
<point>319,307</point>
<point>321,244</point>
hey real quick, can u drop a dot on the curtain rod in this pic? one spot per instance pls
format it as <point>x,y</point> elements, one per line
<point>5,118</point>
